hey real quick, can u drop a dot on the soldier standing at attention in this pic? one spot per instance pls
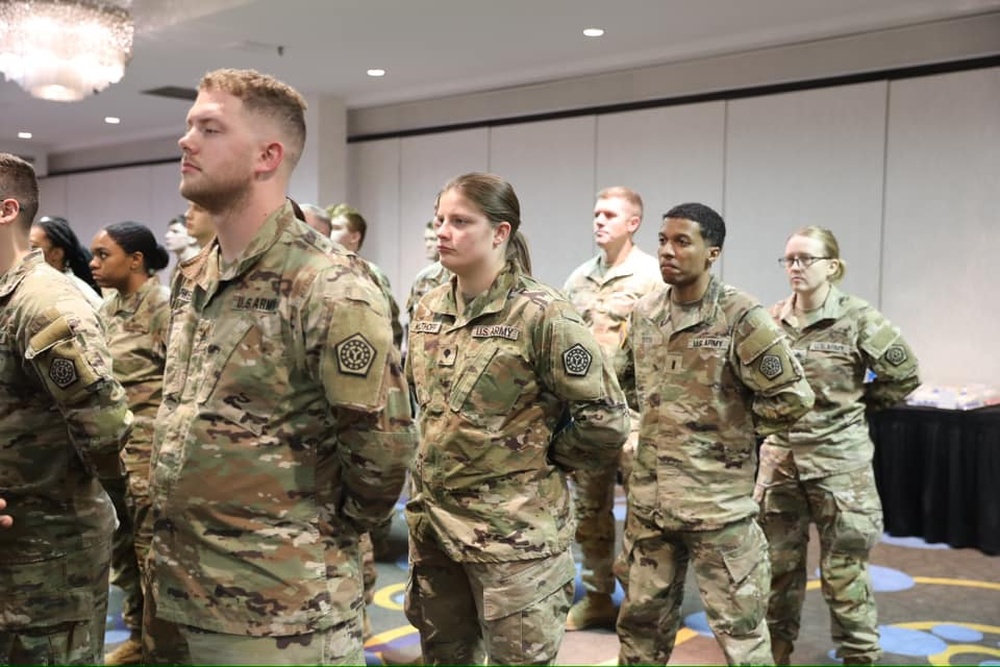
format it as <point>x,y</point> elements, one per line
<point>430,276</point>
<point>712,372</point>
<point>348,228</point>
<point>499,362</point>
<point>125,257</point>
<point>63,418</point>
<point>285,429</point>
<point>604,290</point>
<point>820,470</point>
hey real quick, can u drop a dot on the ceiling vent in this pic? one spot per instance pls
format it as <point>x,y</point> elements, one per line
<point>173,92</point>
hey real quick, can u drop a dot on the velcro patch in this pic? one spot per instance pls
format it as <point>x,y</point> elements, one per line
<point>425,327</point>
<point>577,360</point>
<point>770,366</point>
<point>355,355</point>
<point>496,331</point>
<point>62,372</point>
<point>896,355</point>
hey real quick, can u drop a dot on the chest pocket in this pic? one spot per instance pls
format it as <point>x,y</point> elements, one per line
<point>242,375</point>
<point>490,385</point>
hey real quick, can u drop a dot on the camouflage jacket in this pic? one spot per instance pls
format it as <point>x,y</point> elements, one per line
<point>63,417</point>
<point>382,282</point>
<point>606,296</point>
<point>494,385</point>
<point>137,339</point>
<point>429,277</point>
<point>836,346</point>
<point>710,377</point>
<point>284,432</point>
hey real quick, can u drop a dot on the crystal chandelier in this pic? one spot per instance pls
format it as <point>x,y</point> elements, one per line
<point>64,50</point>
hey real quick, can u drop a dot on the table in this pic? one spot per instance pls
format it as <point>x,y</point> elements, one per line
<point>938,474</point>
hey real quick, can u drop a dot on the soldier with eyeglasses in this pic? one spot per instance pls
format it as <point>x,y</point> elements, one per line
<point>819,470</point>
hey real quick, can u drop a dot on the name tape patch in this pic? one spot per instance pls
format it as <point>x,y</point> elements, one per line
<point>258,303</point>
<point>830,347</point>
<point>496,331</point>
<point>712,343</point>
<point>425,327</point>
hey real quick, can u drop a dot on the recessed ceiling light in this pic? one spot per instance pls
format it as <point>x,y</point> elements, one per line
<point>593,32</point>
<point>112,120</point>
<point>376,72</point>
<point>24,135</point>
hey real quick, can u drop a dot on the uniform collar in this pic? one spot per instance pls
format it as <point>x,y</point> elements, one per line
<point>688,315</point>
<point>490,301</point>
<point>130,304</point>
<point>832,309</point>
<point>205,268</point>
<point>10,280</point>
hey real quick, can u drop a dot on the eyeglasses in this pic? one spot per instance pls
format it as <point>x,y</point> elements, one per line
<point>805,262</point>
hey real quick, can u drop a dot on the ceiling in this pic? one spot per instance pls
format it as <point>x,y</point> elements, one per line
<point>429,48</point>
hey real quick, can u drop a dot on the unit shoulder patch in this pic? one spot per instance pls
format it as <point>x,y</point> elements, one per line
<point>355,355</point>
<point>62,372</point>
<point>770,366</point>
<point>896,355</point>
<point>577,360</point>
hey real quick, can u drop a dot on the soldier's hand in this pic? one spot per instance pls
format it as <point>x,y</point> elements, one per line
<point>6,521</point>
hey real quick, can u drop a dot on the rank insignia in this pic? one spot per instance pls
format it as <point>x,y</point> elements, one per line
<point>62,372</point>
<point>355,355</point>
<point>577,360</point>
<point>770,366</point>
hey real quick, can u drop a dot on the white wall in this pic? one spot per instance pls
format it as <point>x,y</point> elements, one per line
<point>906,173</point>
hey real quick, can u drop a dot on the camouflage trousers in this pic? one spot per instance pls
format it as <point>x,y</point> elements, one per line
<point>507,613</point>
<point>131,542</point>
<point>594,502</point>
<point>57,609</point>
<point>168,643</point>
<point>848,516</point>
<point>732,570</point>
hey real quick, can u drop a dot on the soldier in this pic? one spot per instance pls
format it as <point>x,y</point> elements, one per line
<point>348,228</point>
<point>430,276</point>
<point>64,418</point>
<point>711,372</point>
<point>820,470</point>
<point>285,430</point>
<point>199,225</point>
<point>64,252</point>
<point>126,257</point>
<point>604,290</point>
<point>179,242</point>
<point>500,362</point>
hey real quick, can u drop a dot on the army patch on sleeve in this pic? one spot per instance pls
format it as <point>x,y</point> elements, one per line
<point>896,355</point>
<point>355,355</point>
<point>62,372</point>
<point>770,366</point>
<point>577,360</point>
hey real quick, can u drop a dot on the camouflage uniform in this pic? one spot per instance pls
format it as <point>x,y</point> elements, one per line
<point>429,277</point>
<point>283,434</point>
<point>708,375</point>
<point>491,516</point>
<point>137,339</point>
<point>63,418</point>
<point>820,470</point>
<point>604,297</point>
<point>382,282</point>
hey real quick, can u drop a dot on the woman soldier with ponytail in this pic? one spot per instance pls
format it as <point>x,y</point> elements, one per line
<point>513,393</point>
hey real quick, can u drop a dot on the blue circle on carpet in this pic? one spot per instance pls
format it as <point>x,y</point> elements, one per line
<point>911,542</point>
<point>403,563</point>
<point>699,623</point>
<point>904,641</point>
<point>990,662</point>
<point>957,633</point>
<point>886,579</point>
<point>116,636</point>
<point>580,591</point>
<point>620,510</point>
<point>399,598</point>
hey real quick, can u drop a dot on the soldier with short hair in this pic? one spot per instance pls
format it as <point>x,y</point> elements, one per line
<point>63,419</point>
<point>513,393</point>
<point>285,427</point>
<point>820,470</point>
<point>604,289</point>
<point>712,373</point>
